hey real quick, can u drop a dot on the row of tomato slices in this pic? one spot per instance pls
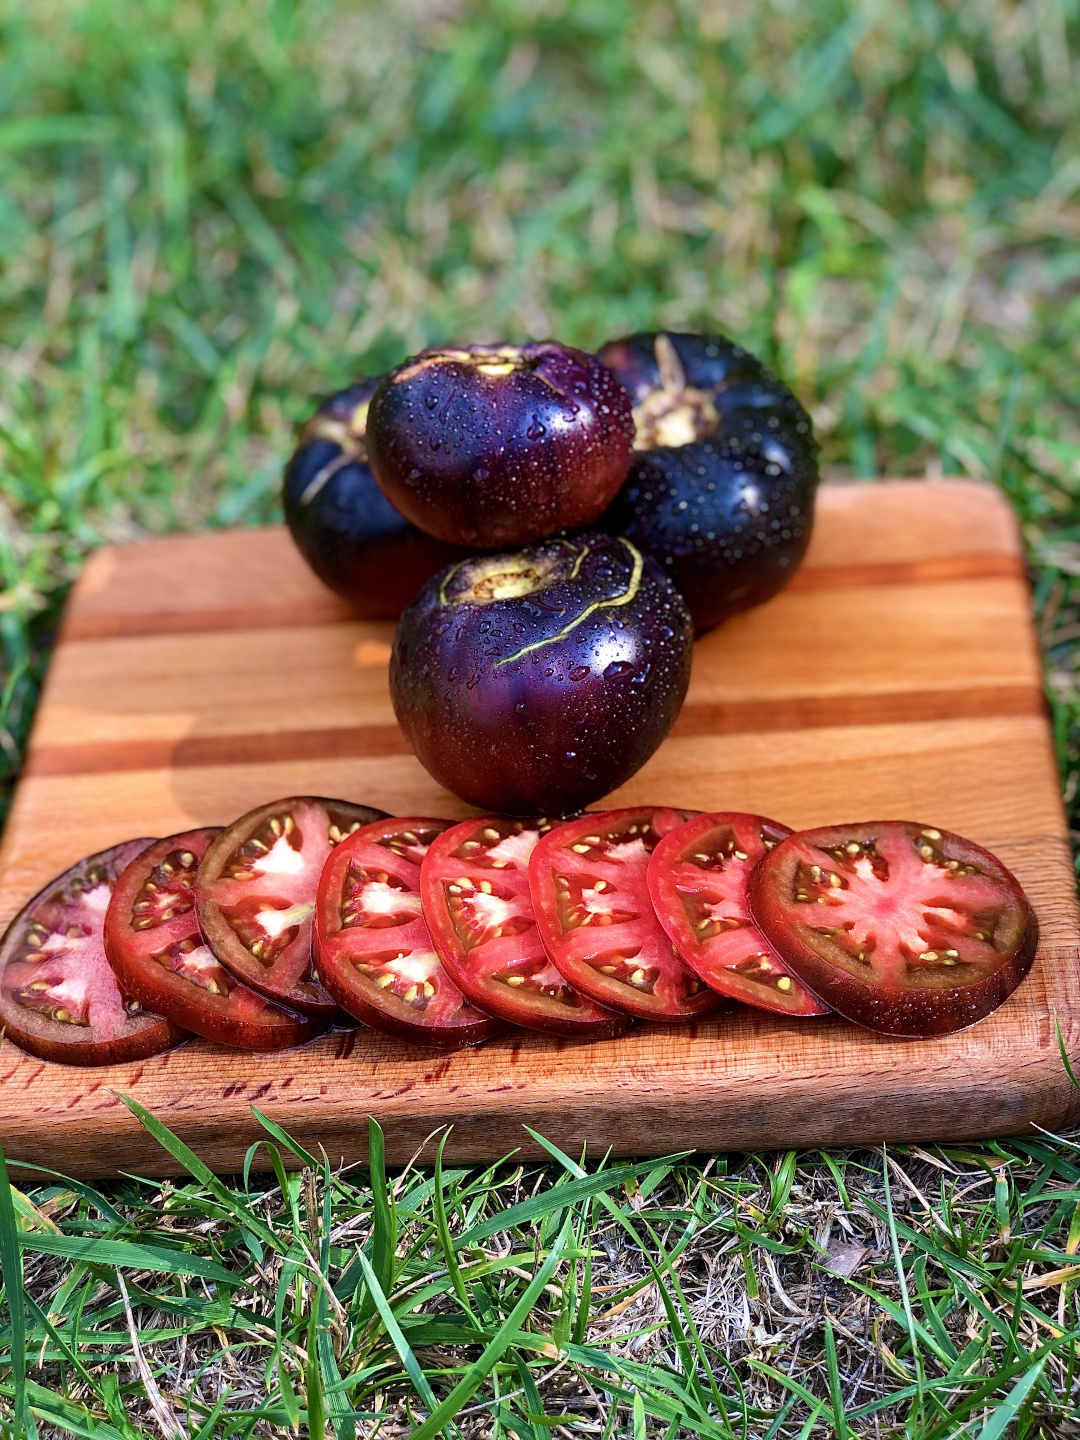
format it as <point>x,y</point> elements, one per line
<point>261,934</point>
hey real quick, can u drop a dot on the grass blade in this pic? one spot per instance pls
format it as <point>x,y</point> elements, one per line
<point>11,1267</point>
<point>94,1251</point>
<point>480,1369</point>
<point>1006,1412</point>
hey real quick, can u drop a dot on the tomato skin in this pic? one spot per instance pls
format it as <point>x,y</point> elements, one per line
<point>110,1028</point>
<point>535,682</point>
<point>267,864</point>
<point>493,446</point>
<point>502,965</point>
<point>342,523</point>
<point>368,908</point>
<point>166,964</point>
<point>705,865</point>
<point>725,502</point>
<point>643,974</point>
<point>959,931</point>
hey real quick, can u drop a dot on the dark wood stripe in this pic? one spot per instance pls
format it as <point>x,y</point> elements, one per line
<point>799,712</point>
<point>204,750</point>
<point>914,572</point>
<point>332,610</point>
<point>810,712</point>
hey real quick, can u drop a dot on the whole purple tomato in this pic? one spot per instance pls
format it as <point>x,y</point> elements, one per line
<point>489,446</point>
<point>534,682</point>
<point>342,523</point>
<point>721,490</point>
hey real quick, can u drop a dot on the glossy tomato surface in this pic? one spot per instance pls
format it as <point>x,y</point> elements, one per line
<point>374,950</point>
<point>255,894</point>
<point>902,927</point>
<point>721,490</point>
<point>478,905</point>
<point>589,882</point>
<point>490,446</point>
<point>698,876</point>
<point>534,682</point>
<point>156,951</point>
<point>342,523</point>
<point>58,998</point>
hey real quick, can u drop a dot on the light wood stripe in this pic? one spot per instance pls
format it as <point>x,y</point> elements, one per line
<point>330,609</point>
<point>801,712</point>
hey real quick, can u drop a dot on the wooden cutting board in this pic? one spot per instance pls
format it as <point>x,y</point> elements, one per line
<point>897,677</point>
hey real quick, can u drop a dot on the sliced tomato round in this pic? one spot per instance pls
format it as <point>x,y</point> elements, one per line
<point>902,927</point>
<point>478,905</point>
<point>255,894</point>
<point>593,910</point>
<point>697,879</point>
<point>157,953</point>
<point>59,1000</point>
<point>374,950</point>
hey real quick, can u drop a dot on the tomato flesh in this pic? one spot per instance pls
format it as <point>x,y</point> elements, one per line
<point>698,876</point>
<point>156,951</point>
<point>479,909</point>
<point>902,927</point>
<point>375,952</point>
<point>58,998</point>
<point>255,895</point>
<point>590,892</point>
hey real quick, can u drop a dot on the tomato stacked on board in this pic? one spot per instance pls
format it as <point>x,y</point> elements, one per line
<point>59,999</point>
<point>255,895</point>
<point>597,921</point>
<point>698,878</point>
<point>475,884</point>
<point>445,934</point>
<point>374,949</point>
<point>903,927</point>
<point>160,956</point>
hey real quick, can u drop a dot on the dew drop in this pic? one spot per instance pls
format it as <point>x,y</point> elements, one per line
<point>535,430</point>
<point>619,669</point>
<point>580,672</point>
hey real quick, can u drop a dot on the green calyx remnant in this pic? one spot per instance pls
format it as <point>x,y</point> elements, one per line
<point>349,435</point>
<point>625,597</point>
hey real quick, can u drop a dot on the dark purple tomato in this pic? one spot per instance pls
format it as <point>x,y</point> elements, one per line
<point>721,489</point>
<point>534,682</point>
<point>343,525</point>
<point>489,446</point>
<point>59,1000</point>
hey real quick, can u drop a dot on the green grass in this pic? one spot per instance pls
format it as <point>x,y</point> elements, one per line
<point>924,1290</point>
<point>211,213</point>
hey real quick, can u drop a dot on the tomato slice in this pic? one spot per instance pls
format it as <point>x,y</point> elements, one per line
<point>590,891</point>
<point>697,880</point>
<point>157,953</point>
<point>255,894</point>
<point>901,927</point>
<point>478,906</point>
<point>375,952</point>
<point>58,998</point>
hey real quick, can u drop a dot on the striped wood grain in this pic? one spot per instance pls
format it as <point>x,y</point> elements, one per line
<point>897,676</point>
